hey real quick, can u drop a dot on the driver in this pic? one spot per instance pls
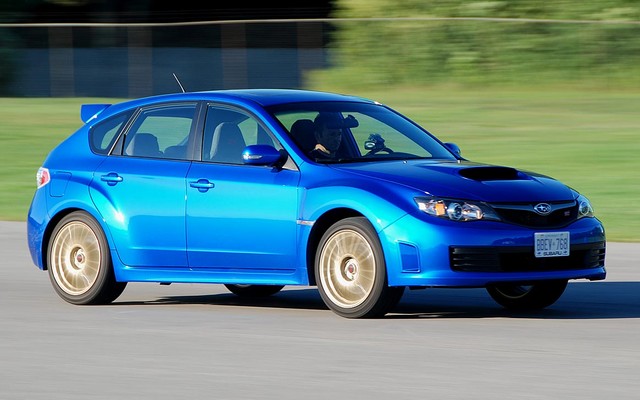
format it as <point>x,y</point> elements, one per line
<point>328,133</point>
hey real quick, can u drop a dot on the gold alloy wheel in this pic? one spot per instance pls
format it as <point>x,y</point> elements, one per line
<point>347,268</point>
<point>75,258</point>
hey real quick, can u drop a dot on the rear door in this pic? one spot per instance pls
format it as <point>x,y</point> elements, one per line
<point>140,188</point>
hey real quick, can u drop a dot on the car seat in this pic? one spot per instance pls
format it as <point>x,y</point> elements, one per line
<point>303,133</point>
<point>228,144</point>
<point>144,145</point>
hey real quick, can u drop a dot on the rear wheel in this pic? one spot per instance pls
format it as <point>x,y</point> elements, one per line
<point>527,297</point>
<point>79,262</point>
<point>351,272</point>
<point>254,290</point>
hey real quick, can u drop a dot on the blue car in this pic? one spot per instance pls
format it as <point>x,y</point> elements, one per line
<point>260,189</point>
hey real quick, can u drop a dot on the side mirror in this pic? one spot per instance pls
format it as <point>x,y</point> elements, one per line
<point>261,154</point>
<point>454,149</point>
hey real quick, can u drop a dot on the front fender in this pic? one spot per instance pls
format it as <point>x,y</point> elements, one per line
<point>379,211</point>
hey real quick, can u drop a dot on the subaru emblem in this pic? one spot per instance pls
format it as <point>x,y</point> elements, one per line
<point>542,208</point>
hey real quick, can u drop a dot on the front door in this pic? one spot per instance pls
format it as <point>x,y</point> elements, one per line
<point>241,219</point>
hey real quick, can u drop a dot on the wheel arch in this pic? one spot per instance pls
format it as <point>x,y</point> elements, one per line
<point>53,222</point>
<point>329,204</point>
<point>320,226</point>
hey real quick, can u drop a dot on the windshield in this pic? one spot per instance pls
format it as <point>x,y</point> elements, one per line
<point>336,132</point>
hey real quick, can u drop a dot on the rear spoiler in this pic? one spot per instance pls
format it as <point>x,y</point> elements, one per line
<point>90,111</point>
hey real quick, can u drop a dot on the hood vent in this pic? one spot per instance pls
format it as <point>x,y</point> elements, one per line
<point>490,173</point>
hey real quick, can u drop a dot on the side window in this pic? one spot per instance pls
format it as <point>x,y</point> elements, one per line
<point>161,132</point>
<point>103,135</point>
<point>227,132</point>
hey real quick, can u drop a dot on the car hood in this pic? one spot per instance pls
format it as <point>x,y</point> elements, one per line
<point>466,180</point>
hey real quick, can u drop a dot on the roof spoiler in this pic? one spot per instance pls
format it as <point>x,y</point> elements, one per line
<point>90,111</point>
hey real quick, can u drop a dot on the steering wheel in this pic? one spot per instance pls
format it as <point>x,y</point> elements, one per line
<point>376,151</point>
<point>375,144</point>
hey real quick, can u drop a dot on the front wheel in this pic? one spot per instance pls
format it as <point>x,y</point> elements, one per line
<point>351,272</point>
<point>527,297</point>
<point>79,262</point>
<point>254,290</point>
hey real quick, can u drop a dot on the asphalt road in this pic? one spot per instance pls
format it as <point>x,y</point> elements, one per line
<point>201,342</point>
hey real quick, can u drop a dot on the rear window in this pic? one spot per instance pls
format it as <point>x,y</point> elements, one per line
<point>104,134</point>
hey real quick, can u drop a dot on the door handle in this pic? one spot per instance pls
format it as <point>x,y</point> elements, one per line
<point>111,178</point>
<point>202,185</point>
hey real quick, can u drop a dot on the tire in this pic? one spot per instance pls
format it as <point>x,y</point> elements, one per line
<point>532,297</point>
<point>351,273</point>
<point>254,290</point>
<point>79,262</point>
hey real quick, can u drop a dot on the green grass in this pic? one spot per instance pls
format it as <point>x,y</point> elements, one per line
<point>29,129</point>
<point>588,138</point>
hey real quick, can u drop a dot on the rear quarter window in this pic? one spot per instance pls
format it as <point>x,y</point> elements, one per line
<point>103,135</point>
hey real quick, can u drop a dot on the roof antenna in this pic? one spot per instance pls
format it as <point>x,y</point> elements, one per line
<point>178,80</point>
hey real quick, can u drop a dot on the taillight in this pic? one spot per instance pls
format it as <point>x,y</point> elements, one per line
<point>42,177</point>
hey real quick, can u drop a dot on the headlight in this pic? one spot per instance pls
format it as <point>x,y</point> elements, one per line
<point>456,210</point>
<point>584,207</point>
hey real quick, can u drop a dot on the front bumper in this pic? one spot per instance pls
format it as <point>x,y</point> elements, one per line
<point>431,252</point>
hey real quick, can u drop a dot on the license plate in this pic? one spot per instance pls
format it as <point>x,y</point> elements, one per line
<point>551,244</point>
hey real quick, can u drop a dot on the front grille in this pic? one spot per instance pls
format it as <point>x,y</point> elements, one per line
<point>562,214</point>
<point>523,214</point>
<point>530,219</point>
<point>522,259</point>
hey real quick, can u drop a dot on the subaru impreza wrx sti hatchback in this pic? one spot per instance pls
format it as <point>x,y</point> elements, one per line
<point>259,189</point>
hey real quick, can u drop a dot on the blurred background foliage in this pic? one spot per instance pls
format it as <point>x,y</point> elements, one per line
<point>366,43</point>
<point>412,42</point>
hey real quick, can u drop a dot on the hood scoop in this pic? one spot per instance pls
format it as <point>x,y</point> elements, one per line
<point>491,173</point>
